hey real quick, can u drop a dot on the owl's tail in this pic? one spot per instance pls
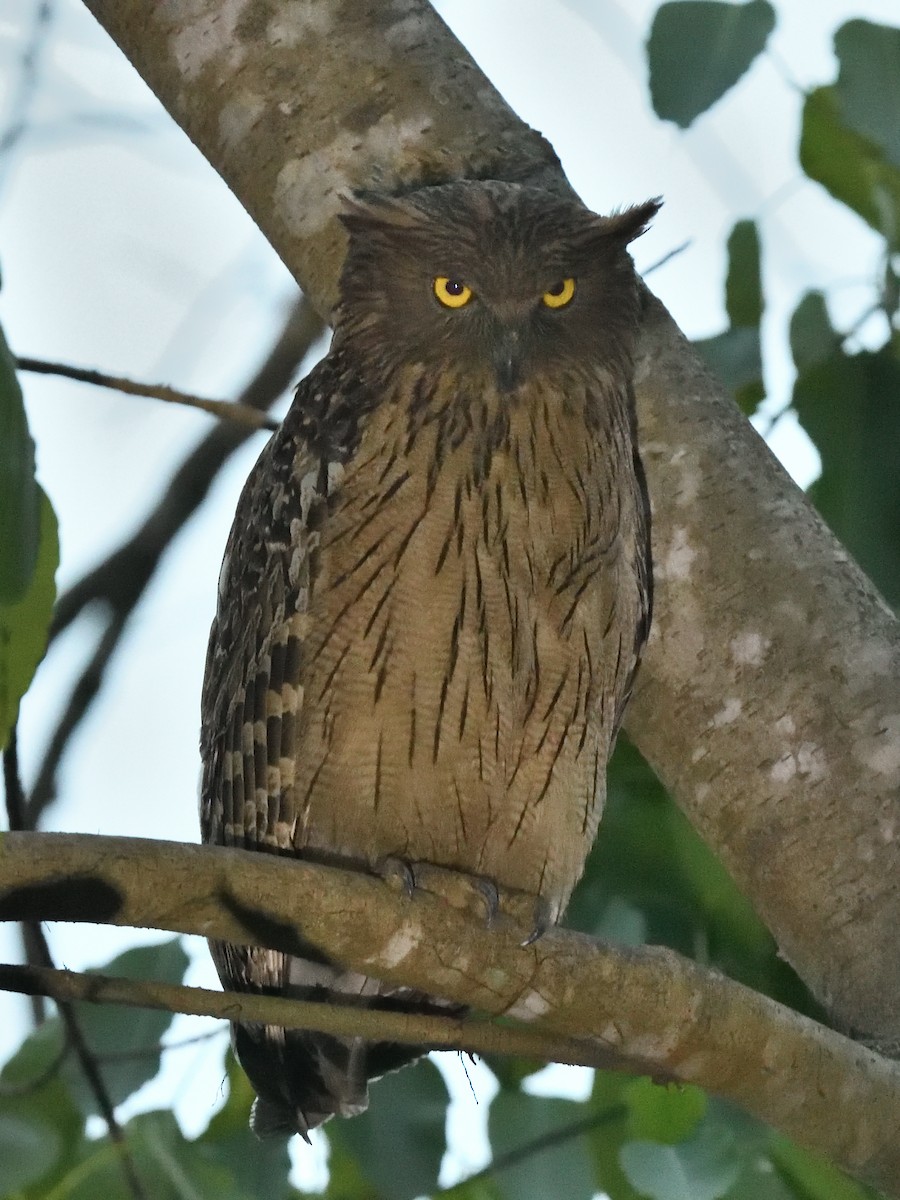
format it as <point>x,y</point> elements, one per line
<point>302,1078</point>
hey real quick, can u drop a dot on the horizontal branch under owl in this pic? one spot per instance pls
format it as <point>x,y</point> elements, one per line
<point>642,1009</point>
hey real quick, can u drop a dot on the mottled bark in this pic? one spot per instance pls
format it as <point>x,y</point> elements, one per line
<point>769,702</point>
<point>646,1010</point>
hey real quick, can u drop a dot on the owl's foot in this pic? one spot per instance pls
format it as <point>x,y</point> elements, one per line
<point>471,893</point>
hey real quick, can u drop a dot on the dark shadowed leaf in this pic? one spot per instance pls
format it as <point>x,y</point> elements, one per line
<point>852,168</point>
<point>868,85</point>
<point>19,492</point>
<point>515,1122</point>
<point>127,1039</point>
<point>850,407</point>
<point>735,357</point>
<point>25,624</point>
<point>407,1109</point>
<point>813,338</point>
<point>698,49</point>
<point>648,857</point>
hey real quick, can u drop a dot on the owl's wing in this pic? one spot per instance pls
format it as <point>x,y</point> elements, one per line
<point>251,698</point>
<point>643,573</point>
<point>251,710</point>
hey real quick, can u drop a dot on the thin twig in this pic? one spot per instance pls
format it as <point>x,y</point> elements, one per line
<point>12,783</point>
<point>667,257</point>
<point>225,409</point>
<point>556,1137</point>
<point>118,1056</point>
<point>120,580</point>
<point>477,1036</point>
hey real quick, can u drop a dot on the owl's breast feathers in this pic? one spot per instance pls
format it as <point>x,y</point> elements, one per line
<point>432,606</point>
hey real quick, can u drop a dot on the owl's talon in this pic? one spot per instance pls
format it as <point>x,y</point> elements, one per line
<point>543,920</point>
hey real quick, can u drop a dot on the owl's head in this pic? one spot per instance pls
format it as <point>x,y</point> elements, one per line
<point>495,281</point>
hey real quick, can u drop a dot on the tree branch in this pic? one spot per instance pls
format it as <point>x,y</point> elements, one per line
<point>769,701</point>
<point>644,1010</point>
<point>225,410</point>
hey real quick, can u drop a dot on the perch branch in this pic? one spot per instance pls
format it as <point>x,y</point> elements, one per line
<point>645,1010</point>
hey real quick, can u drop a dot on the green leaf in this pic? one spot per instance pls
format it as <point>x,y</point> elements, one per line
<point>165,1162</point>
<point>609,1098</point>
<point>735,356</point>
<point>667,1113</point>
<point>24,625</point>
<point>126,1040</point>
<point>743,286</point>
<point>812,1177</point>
<point>852,168</point>
<point>698,49</point>
<point>19,492</point>
<point>406,1108</point>
<point>515,1122</point>
<point>812,337</point>
<point>868,86</point>
<point>27,1146</point>
<point>850,407</point>
<point>31,1091</point>
<point>258,1168</point>
<point>346,1180</point>
<point>702,1168</point>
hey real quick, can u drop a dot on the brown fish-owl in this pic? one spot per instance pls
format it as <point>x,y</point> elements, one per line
<point>436,590</point>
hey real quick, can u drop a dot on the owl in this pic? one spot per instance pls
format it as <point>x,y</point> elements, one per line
<point>436,590</point>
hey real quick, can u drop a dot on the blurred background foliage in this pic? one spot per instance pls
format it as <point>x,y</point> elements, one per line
<point>649,877</point>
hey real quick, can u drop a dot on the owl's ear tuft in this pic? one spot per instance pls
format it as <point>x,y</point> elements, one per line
<point>370,212</point>
<point>631,222</point>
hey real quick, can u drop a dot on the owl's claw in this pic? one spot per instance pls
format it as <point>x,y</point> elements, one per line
<point>396,872</point>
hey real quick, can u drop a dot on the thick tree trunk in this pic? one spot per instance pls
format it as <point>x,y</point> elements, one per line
<point>769,702</point>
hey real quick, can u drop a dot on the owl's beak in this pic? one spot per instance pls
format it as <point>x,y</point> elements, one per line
<point>507,359</point>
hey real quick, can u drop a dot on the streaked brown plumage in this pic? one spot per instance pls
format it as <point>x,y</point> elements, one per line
<point>436,590</point>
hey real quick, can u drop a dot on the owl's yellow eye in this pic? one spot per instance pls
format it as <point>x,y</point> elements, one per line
<point>560,294</point>
<point>452,293</point>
